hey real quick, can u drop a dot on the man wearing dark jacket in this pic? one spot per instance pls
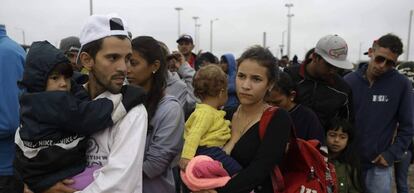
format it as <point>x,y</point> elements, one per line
<point>319,87</point>
<point>383,99</point>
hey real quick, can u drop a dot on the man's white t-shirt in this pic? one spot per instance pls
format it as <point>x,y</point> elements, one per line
<point>119,150</point>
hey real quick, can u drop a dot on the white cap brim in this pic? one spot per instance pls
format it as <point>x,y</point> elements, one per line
<point>344,64</point>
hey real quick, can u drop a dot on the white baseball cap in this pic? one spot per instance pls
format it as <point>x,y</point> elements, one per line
<point>101,26</point>
<point>334,50</point>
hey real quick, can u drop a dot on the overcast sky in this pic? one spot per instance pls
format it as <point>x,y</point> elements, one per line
<point>240,23</point>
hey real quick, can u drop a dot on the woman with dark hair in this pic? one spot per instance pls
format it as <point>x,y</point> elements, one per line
<point>256,74</point>
<point>148,69</point>
<point>306,122</point>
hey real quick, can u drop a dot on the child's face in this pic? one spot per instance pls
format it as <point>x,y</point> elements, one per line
<point>336,140</point>
<point>277,98</point>
<point>57,82</point>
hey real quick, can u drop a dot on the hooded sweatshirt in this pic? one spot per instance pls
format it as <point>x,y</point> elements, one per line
<point>11,70</point>
<point>232,100</point>
<point>378,110</point>
<point>163,144</point>
<point>51,139</point>
<point>179,84</point>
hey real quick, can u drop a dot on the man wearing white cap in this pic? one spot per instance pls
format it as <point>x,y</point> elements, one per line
<point>105,51</point>
<point>319,86</point>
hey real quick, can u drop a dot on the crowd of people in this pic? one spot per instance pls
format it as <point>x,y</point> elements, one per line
<point>108,112</point>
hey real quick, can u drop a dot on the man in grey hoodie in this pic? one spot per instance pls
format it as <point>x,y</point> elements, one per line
<point>179,82</point>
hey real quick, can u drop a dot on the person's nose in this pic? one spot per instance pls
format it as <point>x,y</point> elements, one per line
<point>63,83</point>
<point>246,84</point>
<point>123,66</point>
<point>383,64</point>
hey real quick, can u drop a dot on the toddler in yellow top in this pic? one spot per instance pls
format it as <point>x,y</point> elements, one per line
<point>206,130</point>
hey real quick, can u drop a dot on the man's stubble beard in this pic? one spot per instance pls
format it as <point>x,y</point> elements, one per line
<point>101,82</point>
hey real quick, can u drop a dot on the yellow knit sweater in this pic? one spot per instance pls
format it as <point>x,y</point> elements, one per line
<point>207,127</point>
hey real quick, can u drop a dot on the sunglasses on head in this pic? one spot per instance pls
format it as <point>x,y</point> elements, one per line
<point>381,59</point>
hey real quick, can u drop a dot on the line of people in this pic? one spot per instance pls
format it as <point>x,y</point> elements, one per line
<point>110,113</point>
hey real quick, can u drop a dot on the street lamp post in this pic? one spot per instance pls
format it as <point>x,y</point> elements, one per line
<point>211,34</point>
<point>289,15</point>
<point>409,36</point>
<point>360,51</point>
<point>198,37</point>
<point>23,35</point>
<point>195,31</point>
<point>281,50</point>
<point>283,43</point>
<point>90,7</point>
<point>179,9</point>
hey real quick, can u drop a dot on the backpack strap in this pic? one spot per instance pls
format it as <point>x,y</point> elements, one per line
<point>265,119</point>
<point>277,177</point>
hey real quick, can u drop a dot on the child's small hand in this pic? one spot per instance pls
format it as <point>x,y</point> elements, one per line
<point>183,163</point>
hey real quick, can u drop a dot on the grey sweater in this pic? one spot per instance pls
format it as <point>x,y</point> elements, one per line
<point>164,143</point>
<point>179,84</point>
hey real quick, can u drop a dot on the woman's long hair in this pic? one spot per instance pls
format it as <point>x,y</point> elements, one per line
<point>151,51</point>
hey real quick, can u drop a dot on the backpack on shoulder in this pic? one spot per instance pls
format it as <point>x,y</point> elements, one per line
<point>304,168</point>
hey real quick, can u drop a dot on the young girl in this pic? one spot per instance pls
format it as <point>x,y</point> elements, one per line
<point>340,142</point>
<point>206,130</point>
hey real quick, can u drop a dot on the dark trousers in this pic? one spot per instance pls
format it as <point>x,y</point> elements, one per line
<point>232,166</point>
<point>11,184</point>
<point>401,172</point>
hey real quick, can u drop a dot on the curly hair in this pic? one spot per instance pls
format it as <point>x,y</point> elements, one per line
<point>209,81</point>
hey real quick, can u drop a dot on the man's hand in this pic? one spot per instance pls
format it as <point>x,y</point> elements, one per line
<point>183,163</point>
<point>380,161</point>
<point>61,187</point>
<point>26,189</point>
<point>179,59</point>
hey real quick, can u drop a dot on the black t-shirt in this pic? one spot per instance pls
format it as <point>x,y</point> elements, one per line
<point>258,157</point>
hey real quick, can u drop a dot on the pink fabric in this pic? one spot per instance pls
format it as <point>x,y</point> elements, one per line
<point>203,173</point>
<point>82,180</point>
